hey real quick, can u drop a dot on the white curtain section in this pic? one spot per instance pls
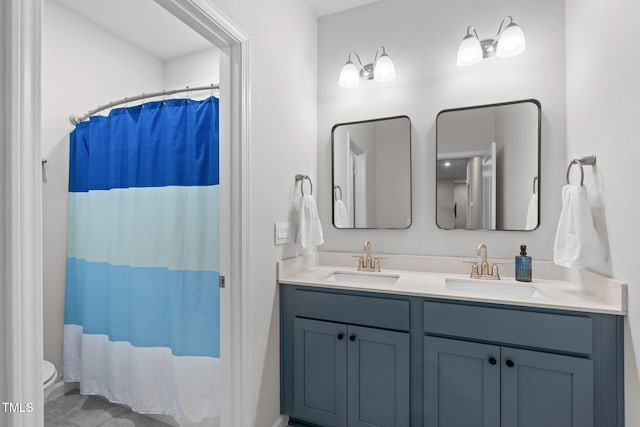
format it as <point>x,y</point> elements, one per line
<point>147,379</point>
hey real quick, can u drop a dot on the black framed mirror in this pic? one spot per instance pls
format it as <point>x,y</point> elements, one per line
<point>488,167</point>
<point>371,174</point>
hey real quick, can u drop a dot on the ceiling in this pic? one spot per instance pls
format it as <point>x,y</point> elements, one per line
<point>327,7</point>
<point>167,38</point>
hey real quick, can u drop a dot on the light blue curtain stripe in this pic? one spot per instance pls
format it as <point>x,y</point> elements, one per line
<point>148,307</point>
<point>173,227</point>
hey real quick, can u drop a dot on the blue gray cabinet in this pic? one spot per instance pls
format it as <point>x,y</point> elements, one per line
<point>425,362</point>
<point>542,389</point>
<point>347,375</point>
<point>378,372</point>
<point>462,383</point>
<point>320,372</point>
<point>478,385</point>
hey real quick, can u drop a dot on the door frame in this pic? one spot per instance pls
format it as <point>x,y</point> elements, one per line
<point>23,205</point>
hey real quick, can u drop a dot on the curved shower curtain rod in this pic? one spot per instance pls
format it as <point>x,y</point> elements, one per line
<point>75,120</point>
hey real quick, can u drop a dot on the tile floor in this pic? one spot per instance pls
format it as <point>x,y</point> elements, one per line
<point>76,410</point>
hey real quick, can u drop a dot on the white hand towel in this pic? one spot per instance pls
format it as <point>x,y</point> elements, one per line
<point>532,213</point>
<point>340,215</point>
<point>577,243</point>
<point>309,227</point>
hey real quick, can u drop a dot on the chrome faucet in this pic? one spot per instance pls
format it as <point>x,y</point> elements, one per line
<point>482,271</point>
<point>367,262</point>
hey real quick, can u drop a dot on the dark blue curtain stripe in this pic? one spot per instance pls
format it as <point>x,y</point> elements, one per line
<point>157,144</point>
<point>146,306</point>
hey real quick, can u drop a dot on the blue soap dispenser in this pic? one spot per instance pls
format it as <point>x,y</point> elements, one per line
<point>523,265</point>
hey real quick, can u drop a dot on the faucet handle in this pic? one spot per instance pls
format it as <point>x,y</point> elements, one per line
<point>494,271</point>
<point>360,262</point>
<point>376,263</point>
<point>475,270</point>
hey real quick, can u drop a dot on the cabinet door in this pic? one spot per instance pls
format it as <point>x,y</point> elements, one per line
<point>541,389</point>
<point>379,386</point>
<point>320,372</point>
<point>461,384</point>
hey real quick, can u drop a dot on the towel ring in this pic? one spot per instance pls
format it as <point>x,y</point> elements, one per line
<point>576,162</point>
<point>335,196</point>
<point>300,177</point>
<point>584,161</point>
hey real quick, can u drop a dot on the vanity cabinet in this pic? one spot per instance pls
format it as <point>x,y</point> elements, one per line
<point>346,375</point>
<point>502,386</point>
<point>365,359</point>
<point>345,360</point>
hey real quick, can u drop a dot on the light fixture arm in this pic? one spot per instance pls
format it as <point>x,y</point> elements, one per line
<point>377,52</point>
<point>500,28</point>
<point>471,27</point>
<point>357,56</point>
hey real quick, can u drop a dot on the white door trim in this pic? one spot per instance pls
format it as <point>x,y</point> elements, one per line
<point>23,207</point>
<point>23,202</point>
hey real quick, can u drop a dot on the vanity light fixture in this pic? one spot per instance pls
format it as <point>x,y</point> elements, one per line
<point>508,43</point>
<point>380,70</point>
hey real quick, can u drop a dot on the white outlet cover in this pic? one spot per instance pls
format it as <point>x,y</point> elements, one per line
<point>281,233</point>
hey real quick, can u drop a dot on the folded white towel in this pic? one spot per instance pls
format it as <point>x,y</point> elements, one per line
<point>577,243</point>
<point>309,227</point>
<point>340,214</point>
<point>532,213</point>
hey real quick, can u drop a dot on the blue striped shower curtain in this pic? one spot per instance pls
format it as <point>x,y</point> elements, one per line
<point>142,323</point>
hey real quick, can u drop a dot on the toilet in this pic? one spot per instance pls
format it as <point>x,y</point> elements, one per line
<point>49,376</point>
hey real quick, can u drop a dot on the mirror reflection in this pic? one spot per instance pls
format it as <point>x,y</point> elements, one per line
<point>487,167</point>
<point>372,173</point>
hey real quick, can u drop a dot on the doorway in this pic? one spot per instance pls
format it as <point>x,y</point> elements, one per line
<point>24,208</point>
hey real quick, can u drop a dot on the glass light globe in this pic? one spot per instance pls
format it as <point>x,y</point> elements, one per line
<point>349,76</point>
<point>511,42</point>
<point>470,51</point>
<point>384,70</point>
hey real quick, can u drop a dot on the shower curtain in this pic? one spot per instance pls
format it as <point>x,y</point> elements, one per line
<point>142,324</point>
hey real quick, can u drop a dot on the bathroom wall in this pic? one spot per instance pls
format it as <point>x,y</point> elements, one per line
<point>602,119</point>
<point>283,143</point>
<point>200,68</point>
<point>83,66</point>
<point>2,190</point>
<point>422,38</point>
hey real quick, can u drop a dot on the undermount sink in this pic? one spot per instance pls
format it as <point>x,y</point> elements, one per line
<point>364,278</point>
<point>501,288</point>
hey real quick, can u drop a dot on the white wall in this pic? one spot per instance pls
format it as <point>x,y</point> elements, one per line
<point>3,350</point>
<point>283,142</point>
<point>602,119</point>
<point>422,38</point>
<point>200,68</point>
<point>83,66</point>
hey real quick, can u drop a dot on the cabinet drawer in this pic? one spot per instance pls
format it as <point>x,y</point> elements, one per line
<point>354,309</point>
<point>558,332</point>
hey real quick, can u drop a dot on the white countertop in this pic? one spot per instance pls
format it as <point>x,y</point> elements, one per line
<point>581,291</point>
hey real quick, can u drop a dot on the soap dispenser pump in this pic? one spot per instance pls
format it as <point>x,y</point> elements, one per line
<point>523,265</point>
